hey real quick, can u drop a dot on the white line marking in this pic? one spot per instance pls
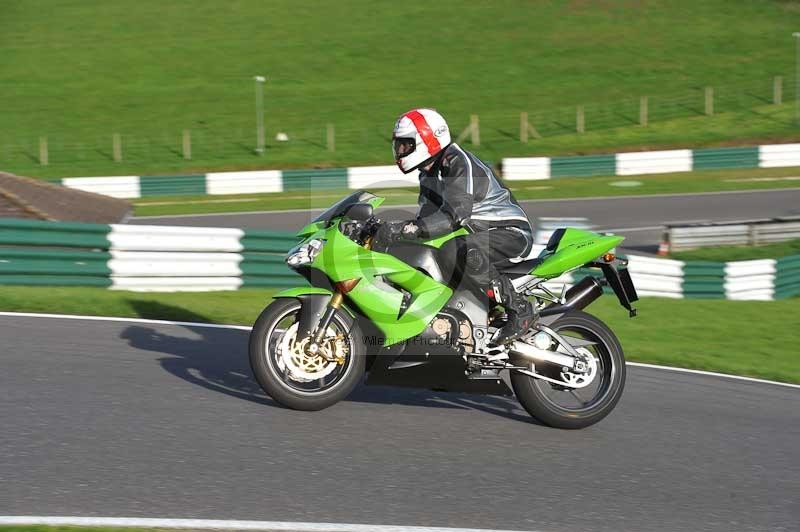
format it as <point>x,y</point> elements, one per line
<point>674,195</point>
<point>126,320</point>
<point>592,198</point>
<point>245,328</point>
<point>162,203</point>
<point>712,374</point>
<point>224,524</point>
<point>315,210</point>
<point>224,214</point>
<point>629,229</point>
<point>759,179</point>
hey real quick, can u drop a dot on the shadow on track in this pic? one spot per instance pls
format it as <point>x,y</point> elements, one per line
<point>218,361</point>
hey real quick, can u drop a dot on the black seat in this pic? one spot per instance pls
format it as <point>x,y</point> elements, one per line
<point>520,268</point>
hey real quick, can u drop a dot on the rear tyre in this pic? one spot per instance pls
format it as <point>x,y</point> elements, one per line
<point>564,408</point>
<point>294,379</point>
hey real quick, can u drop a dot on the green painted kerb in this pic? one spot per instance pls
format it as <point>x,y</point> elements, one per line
<point>172,185</point>
<point>330,178</point>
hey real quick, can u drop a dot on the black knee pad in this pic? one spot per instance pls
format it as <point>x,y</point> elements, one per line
<point>476,261</point>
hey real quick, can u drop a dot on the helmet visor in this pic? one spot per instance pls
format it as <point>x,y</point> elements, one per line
<point>403,147</point>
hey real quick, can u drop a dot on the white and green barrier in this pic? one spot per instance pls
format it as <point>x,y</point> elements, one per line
<point>516,168</point>
<point>166,258</point>
<point>141,257</point>
<point>651,162</point>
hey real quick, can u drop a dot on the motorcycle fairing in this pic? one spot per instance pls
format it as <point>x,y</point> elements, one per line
<point>573,249</point>
<point>382,302</point>
<point>428,361</point>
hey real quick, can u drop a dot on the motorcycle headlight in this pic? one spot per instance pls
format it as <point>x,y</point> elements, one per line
<point>304,254</point>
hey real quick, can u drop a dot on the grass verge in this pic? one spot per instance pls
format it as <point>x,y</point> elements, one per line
<point>705,335</point>
<point>578,187</point>
<point>730,253</point>
<point>327,64</point>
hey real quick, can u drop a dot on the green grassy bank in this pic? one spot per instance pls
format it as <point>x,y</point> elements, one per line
<point>79,72</point>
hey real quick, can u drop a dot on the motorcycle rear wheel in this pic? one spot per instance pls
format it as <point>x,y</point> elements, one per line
<point>576,409</point>
<point>296,381</point>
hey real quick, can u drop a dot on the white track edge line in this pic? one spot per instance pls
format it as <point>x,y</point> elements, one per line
<point>126,320</point>
<point>207,214</point>
<point>712,374</point>
<point>245,328</point>
<point>543,200</point>
<point>220,524</point>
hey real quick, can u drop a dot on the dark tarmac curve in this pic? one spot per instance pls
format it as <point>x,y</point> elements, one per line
<point>153,420</point>
<point>637,218</point>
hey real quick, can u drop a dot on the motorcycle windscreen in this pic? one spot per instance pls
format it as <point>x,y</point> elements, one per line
<point>338,209</point>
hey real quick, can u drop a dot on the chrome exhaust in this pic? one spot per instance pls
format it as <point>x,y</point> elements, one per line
<point>532,352</point>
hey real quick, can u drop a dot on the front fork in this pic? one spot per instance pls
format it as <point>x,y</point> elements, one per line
<point>316,330</point>
<point>334,305</point>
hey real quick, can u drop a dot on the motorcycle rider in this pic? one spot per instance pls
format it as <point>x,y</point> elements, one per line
<point>459,190</point>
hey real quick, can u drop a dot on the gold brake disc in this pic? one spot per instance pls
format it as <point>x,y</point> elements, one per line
<point>303,367</point>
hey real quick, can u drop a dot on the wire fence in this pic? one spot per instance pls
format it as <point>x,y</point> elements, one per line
<point>138,143</point>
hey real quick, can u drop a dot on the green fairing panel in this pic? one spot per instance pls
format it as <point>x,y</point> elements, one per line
<point>302,291</point>
<point>376,201</point>
<point>311,228</point>
<point>439,241</point>
<point>307,291</point>
<point>342,259</point>
<point>575,249</point>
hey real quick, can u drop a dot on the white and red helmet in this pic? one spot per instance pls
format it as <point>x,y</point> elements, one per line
<point>419,135</point>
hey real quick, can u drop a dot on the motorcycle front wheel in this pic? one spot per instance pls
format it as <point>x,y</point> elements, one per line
<point>298,380</point>
<point>567,408</point>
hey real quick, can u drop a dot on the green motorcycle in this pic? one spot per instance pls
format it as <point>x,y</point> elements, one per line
<point>400,319</point>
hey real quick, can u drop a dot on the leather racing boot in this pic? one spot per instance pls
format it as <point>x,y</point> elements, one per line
<point>518,309</point>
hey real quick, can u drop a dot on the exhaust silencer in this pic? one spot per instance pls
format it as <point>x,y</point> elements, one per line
<point>577,298</point>
<point>541,355</point>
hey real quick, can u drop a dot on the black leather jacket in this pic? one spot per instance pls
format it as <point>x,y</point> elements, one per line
<point>462,191</point>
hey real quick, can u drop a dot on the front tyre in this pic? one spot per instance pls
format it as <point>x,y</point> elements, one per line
<point>297,380</point>
<point>566,408</point>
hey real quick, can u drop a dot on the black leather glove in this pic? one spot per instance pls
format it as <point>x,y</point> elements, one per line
<point>352,228</point>
<point>390,232</point>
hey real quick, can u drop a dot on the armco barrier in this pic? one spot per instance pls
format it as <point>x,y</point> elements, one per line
<point>513,169</point>
<point>166,258</point>
<point>755,232</point>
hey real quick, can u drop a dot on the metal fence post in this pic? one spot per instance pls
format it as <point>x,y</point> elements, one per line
<point>777,90</point>
<point>44,158</point>
<point>709,101</point>
<point>579,119</point>
<point>752,235</point>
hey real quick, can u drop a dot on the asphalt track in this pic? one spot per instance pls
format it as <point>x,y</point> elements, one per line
<point>638,218</point>
<point>103,418</point>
